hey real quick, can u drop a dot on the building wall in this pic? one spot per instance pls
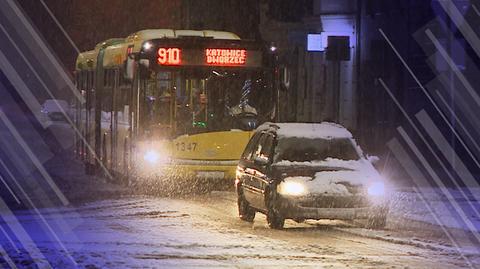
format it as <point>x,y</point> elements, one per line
<point>240,17</point>
<point>318,90</point>
<point>360,102</point>
<point>378,116</point>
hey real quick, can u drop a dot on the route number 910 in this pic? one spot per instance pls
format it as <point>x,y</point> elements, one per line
<point>169,56</point>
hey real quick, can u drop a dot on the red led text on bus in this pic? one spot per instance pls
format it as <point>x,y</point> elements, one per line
<point>227,57</point>
<point>169,56</point>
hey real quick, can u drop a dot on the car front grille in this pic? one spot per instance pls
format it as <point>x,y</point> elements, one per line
<point>353,201</point>
<point>353,189</point>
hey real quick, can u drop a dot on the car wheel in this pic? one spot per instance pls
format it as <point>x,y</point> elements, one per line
<point>274,219</point>
<point>378,218</point>
<point>245,211</point>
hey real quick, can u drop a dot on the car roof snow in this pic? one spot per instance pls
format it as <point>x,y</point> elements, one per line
<point>324,130</point>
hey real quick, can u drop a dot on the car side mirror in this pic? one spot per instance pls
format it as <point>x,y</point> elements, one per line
<point>373,159</point>
<point>260,161</point>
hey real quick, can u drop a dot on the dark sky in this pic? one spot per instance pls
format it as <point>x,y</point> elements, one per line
<point>89,22</point>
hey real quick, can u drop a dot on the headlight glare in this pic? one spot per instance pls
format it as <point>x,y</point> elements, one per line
<point>292,188</point>
<point>376,189</point>
<point>151,156</point>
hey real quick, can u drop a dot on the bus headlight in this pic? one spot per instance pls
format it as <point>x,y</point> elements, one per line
<point>292,188</point>
<point>151,156</point>
<point>147,46</point>
<point>376,189</point>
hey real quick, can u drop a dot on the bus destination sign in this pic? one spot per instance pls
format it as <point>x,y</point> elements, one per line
<point>227,57</point>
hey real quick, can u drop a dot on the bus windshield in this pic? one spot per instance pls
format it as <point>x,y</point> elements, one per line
<point>193,101</point>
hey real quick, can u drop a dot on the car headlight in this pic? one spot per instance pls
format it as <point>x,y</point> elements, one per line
<point>292,188</point>
<point>376,189</point>
<point>151,156</point>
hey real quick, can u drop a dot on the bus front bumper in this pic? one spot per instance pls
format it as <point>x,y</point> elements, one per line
<point>192,172</point>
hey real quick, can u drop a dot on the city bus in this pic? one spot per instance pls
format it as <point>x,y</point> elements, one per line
<point>171,103</point>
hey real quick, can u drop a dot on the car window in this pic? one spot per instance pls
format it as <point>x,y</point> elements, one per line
<point>264,148</point>
<point>251,146</point>
<point>306,150</point>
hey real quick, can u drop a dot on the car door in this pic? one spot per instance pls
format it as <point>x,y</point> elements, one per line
<point>245,164</point>
<point>259,180</point>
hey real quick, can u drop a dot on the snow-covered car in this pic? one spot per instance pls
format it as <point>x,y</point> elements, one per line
<point>308,171</point>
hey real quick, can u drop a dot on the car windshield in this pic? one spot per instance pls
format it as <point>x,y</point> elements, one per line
<point>296,149</point>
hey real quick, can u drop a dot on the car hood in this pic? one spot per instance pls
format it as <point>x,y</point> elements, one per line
<point>331,177</point>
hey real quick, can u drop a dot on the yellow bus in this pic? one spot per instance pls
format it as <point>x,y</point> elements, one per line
<point>171,103</point>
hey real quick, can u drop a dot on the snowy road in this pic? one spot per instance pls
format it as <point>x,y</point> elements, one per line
<point>154,232</point>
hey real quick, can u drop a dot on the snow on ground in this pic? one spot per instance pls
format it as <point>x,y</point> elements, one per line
<point>69,174</point>
<point>204,232</point>
<point>107,226</point>
<point>407,204</point>
<point>137,231</point>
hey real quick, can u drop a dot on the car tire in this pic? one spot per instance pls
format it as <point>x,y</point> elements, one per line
<point>245,211</point>
<point>378,218</point>
<point>274,218</point>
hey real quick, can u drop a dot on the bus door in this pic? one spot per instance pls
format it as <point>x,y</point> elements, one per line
<point>90,120</point>
<point>121,123</point>
<point>114,118</point>
<point>157,105</point>
<point>81,112</point>
<point>197,90</point>
<point>191,105</point>
<point>109,118</point>
<point>99,106</point>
